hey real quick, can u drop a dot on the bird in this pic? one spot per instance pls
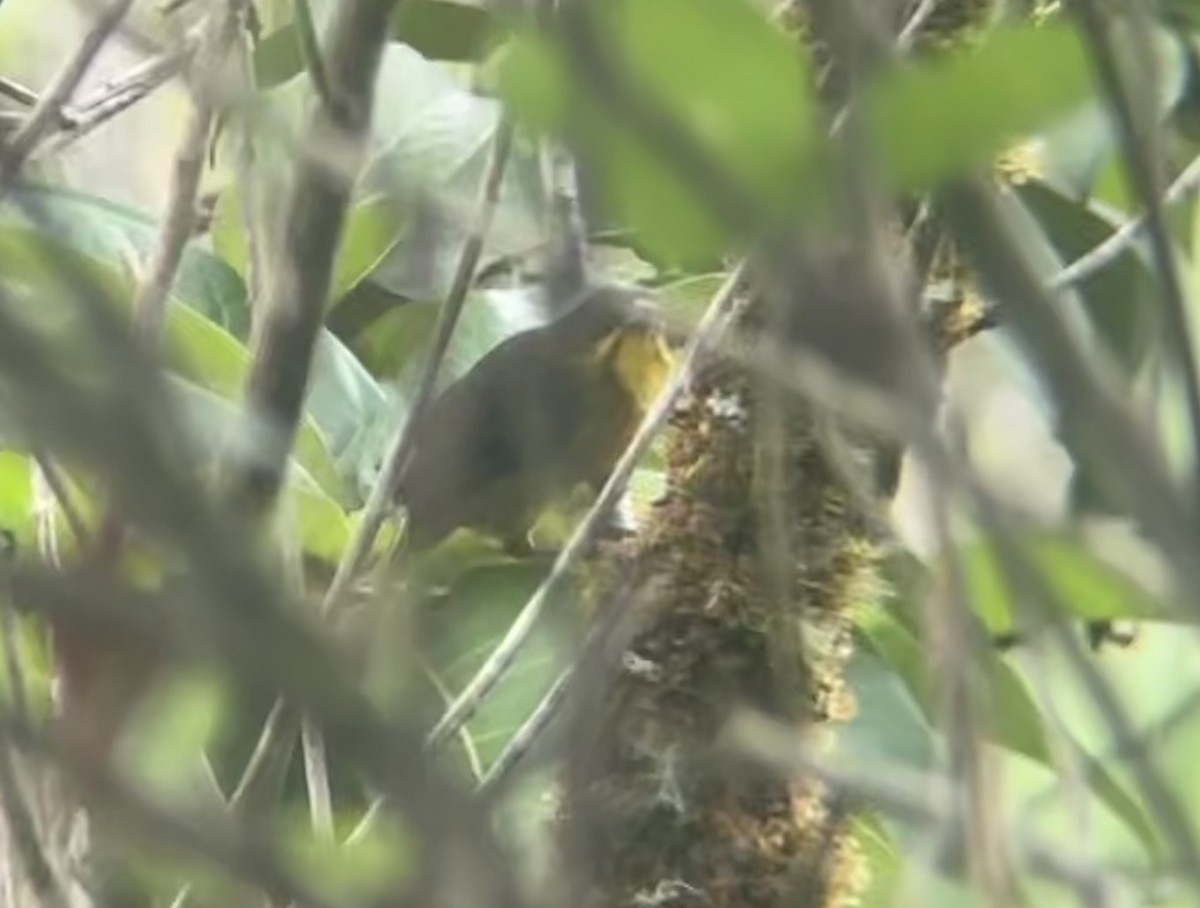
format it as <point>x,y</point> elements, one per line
<point>544,411</point>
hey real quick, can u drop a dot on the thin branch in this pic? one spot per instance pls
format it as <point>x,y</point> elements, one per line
<point>1115,244</point>
<point>46,115</point>
<point>908,34</point>
<point>150,301</point>
<point>585,533</point>
<point>120,94</point>
<point>1143,168</point>
<point>310,51</point>
<point>521,743</point>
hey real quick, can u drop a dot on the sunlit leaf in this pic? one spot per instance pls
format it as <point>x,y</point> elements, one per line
<point>1009,714</point>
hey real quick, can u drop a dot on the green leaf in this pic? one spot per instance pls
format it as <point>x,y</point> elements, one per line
<point>1011,718</point>
<point>437,29</point>
<point>938,118</point>
<point>349,869</point>
<point>118,236</point>
<point>1089,588</point>
<point>463,630</point>
<point>165,747</point>
<point>323,526</point>
<point>16,499</point>
<point>442,30</point>
<point>884,865</point>
<point>351,409</point>
<point>433,139</point>
<point>373,229</point>
<point>735,85</point>
<point>687,299</point>
<point>1121,299</point>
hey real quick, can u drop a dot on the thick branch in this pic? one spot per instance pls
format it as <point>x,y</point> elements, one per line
<point>287,330</point>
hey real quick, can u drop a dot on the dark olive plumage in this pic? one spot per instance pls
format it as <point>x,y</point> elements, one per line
<point>545,410</point>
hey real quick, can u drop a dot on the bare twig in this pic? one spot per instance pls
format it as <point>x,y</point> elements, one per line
<point>1115,244</point>
<point>584,535</point>
<point>526,736</point>
<point>915,23</point>
<point>48,111</point>
<point>150,301</point>
<point>119,94</point>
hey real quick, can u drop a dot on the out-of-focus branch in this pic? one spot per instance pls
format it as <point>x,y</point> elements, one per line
<point>245,857</point>
<point>48,111</point>
<point>297,291</point>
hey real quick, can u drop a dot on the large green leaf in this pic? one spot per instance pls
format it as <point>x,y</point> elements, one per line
<point>1088,587</point>
<point>196,348</point>
<point>431,141</point>
<point>394,344</point>
<point>438,29</point>
<point>373,228</point>
<point>465,627</point>
<point>737,87</point>
<point>938,118</point>
<point>119,236</point>
<point>1011,717</point>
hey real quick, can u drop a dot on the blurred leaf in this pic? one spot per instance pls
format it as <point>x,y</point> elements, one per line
<point>883,865</point>
<point>363,869</point>
<point>444,31</point>
<point>1011,718</point>
<point>734,83</point>
<point>433,138</point>
<point>118,236</point>
<point>322,524</point>
<point>16,499</point>
<point>937,118</point>
<point>1087,587</point>
<point>1080,152</point>
<point>1121,299</point>
<point>437,29</point>
<point>164,748</point>
<point>350,408</point>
